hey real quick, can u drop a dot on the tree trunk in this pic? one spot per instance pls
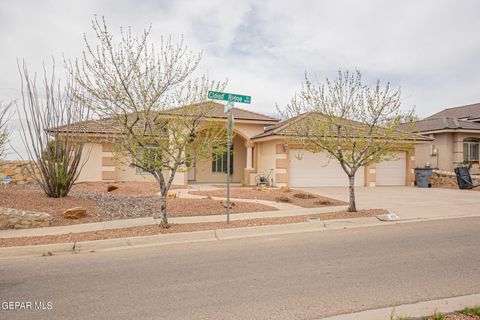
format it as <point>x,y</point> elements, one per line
<point>163,211</point>
<point>351,188</point>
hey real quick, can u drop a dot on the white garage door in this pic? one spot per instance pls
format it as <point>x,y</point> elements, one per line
<point>392,173</point>
<point>309,169</point>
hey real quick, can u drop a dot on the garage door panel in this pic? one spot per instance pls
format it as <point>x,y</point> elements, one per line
<point>392,173</point>
<point>317,169</point>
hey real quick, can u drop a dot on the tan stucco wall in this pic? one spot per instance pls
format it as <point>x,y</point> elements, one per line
<point>267,158</point>
<point>125,172</point>
<point>203,169</point>
<point>92,171</point>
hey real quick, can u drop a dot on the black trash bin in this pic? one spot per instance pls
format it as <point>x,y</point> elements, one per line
<point>422,177</point>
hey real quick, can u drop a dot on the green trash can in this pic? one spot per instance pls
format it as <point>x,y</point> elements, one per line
<point>422,177</point>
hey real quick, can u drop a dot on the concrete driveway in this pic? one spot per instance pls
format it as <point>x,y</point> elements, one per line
<point>410,202</point>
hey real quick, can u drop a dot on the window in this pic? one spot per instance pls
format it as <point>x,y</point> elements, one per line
<point>219,162</point>
<point>471,150</point>
<point>150,157</point>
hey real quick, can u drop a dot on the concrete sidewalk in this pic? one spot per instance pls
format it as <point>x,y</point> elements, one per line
<point>126,223</point>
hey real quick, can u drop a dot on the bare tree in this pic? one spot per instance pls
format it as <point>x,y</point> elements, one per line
<point>352,123</point>
<point>53,146</point>
<point>5,115</point>
<point>153,103</point>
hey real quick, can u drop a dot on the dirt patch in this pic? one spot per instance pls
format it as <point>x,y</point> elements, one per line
<point>187,227</point>
<point>105,206</point>
<point>295,197</point>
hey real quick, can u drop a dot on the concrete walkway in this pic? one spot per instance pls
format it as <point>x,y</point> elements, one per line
<point>184,193</point>
<point>126,223</point>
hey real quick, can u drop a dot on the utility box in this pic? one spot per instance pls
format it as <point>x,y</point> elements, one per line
<point>422,177</point>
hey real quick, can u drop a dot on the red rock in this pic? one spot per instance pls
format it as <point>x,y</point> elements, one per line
<point>75,213</point>
<point>111,187</point>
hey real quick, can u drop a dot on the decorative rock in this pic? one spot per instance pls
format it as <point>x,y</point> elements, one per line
<point>75,213</point>
<point>171,194</point>
<point>111,187</point>
<point>20,219</point>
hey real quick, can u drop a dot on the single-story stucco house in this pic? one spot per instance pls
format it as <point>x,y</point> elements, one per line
<point>456,138</point>
<point>260,147</point>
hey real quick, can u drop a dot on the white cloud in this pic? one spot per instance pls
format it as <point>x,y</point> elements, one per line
<point>429,48</point>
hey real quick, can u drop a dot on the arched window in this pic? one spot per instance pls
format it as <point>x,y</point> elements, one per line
<point>471,150</point>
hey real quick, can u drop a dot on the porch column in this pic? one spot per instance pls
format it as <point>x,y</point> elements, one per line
<point>249,156</point>
<point>249,164</point>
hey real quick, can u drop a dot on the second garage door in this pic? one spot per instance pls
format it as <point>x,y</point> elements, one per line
<point>309,169</point>
<point>392,173</point>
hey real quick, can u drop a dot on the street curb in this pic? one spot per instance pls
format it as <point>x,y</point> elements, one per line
<point>195,236</point>
<point>178,238</point>
<point>414,310</point>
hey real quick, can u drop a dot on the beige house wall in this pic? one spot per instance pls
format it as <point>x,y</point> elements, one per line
<point>449,150</point>
<point>92,170</point>
<point>267,157</point>
<point>101,166</point>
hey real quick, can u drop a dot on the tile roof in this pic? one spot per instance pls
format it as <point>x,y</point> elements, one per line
<point>285,128</point>
<point>471,111</point>
<point>216,111</point>
<point>444,123</point>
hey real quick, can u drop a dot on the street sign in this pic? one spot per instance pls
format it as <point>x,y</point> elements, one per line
<point>231,97</point>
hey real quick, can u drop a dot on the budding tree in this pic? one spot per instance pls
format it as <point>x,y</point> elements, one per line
<point>154,104</point>
<point>353,123</point>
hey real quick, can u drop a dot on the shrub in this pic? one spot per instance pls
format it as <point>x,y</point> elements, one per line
<point>283,199</point>
<point>324,202</point>
<point>302,195</point>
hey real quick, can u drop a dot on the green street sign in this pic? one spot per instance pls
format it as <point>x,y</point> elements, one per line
<point>231,97</point>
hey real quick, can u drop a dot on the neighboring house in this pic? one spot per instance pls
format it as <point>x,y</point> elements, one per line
<point>259,147</point>
<point>456,134</point>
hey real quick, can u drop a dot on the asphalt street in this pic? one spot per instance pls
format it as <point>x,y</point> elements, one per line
<point>295,276</point>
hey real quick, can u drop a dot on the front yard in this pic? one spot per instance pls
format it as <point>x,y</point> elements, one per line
<point>130,200</point>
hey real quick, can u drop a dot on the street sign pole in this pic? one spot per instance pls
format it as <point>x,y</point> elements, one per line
<point>230,120</point>
<point>231,98</point>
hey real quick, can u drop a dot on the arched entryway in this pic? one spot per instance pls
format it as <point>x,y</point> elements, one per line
<point>214,170</point>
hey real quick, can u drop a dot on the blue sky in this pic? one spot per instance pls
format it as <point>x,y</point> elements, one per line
<point>428,48</point>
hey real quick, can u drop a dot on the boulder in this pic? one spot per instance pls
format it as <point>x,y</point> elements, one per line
<point>75,213</point>
<point>111,187</point>
<point>171,195</point>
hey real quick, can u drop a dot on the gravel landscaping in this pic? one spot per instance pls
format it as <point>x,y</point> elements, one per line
<point>292,196</point>
<point>187,227</point>
<point>130,200</point>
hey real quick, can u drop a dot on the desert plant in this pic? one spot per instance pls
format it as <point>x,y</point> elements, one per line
<point>475,311</point>
<point>5,115</point>
<point>54,147</point>
<point>283,199</point>
<point>302,195</point>
<point>324,202</point>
